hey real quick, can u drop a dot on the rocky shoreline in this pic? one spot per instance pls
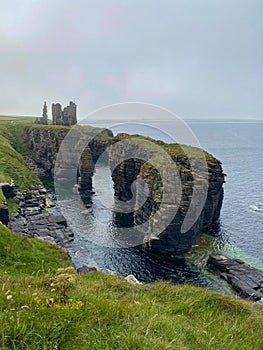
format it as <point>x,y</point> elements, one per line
<point>33,220</point>
<point>246,280</point>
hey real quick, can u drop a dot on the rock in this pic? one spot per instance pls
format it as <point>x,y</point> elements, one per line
<point>86,269</point>
<point>131,279</point>
<point>60,220</point>
<point>245,279</point>
<point>169,239</point>
<point>44,144</point>
<point>33,221</point>
<point>4,217</point>
<point>8,190</point>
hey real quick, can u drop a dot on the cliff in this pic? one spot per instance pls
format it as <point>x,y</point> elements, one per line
<point>43,143</point>
<point>29,149</point>
<point>162,216</point>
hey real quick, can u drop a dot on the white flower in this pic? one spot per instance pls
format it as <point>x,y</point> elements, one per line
<point>9,296</point>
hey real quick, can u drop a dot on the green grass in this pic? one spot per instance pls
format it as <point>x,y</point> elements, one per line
<point>173,149</point>
<point>26,256</point>
<point>10,118</point>
<point>44,307</point>
<point>13,166</point>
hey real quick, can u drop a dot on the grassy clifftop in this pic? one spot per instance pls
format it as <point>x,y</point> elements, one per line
<point>44,304</point>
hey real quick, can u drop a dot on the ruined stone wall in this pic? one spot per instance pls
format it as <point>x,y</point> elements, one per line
<point>56,114</point>
<point>69,114</point>
<point>44,119</point>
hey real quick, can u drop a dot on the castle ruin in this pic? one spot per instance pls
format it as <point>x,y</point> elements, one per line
<point>44,118</point>
<point>65,117</point>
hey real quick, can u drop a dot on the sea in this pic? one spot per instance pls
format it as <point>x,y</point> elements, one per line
<point>239,233</point>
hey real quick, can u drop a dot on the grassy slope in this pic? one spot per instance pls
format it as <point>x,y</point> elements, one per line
<point>12,164</point>
<point>42,307</point>
<point>100,311</point>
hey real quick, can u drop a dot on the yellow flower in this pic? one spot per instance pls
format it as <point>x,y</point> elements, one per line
<point>49,300</point>
<point>53,290</point>
<point>57,306</point>
<point>37,300</point>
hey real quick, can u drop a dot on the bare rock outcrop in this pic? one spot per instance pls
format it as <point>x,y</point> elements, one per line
<point>245,279</point>
<point>170,239</point>
<point>32,220</point>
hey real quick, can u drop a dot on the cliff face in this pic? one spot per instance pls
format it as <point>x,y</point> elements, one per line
<point>44,143</point>
<point>152,215</point>
<point>129,163</point>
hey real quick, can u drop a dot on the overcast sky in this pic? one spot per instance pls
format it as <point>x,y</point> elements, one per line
<point>198,58</point>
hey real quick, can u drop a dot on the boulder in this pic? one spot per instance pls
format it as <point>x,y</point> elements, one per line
<point>246,280</point>
<point>4,217</point>
<point>85,269</point>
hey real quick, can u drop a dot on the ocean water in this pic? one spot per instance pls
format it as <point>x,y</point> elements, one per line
<point>239,146</point>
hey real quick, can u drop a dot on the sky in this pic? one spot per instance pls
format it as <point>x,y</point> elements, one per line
<point>197,58</point>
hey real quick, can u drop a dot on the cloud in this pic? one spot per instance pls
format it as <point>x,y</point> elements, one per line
<point>198,58</point>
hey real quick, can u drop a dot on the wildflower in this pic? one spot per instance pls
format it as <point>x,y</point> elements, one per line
<point>9,297</point>
<point>49,301</point>
<point>37,300</point>
<point>53,290</point>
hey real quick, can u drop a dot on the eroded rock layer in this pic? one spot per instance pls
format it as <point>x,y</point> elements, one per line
<point>245,279</point>
<point>184,197</point>
<point>44,143</point>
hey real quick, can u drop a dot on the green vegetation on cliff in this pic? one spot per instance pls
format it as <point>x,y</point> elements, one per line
<point>173,149</point>
<point>44,304</point>
<point>12,163</point>
<point>13,166</point>
<point>16,137</point>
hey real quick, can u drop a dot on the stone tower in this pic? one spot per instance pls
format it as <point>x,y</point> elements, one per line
<point>57,114</point>
<point>44,114</point>
<point>69,114</point>
<point>44,118</point>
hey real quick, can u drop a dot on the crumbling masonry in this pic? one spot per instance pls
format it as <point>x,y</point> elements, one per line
<point>66,117</point>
